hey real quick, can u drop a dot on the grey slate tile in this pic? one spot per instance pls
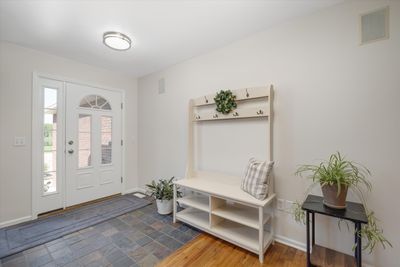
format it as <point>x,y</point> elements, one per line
<point>39,260</point>
<point>15,262</point>
<point>149,261</point>
<point>115,256</point>
<point>12,257</point>
<point>169,242</point>
<point>124,262</point>
<point>144,240</point>
<point>138,254</point>
<point>124,241</point>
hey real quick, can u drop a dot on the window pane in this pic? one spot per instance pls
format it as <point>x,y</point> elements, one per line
<point>106,140</point>
<point>100,101</point>
<point>84,104</point>
<point>84,142</point>
<point>85,159</point>
<point>50,161</point>
<point>49,182</point>
<point>50,140</point>
<point>91,99</point>
<point>106,106</point>
<point>106,124</point>
<point>50,98</point>
<point>84,123</point>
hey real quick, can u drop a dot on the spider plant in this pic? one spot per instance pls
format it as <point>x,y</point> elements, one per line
<point>337,171</point>
<point>163,189</point>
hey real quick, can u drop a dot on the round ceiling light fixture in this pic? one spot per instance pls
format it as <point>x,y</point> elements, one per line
<point>117,41</point>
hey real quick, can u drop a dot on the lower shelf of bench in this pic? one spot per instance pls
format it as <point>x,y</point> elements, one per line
<point>240,235</point>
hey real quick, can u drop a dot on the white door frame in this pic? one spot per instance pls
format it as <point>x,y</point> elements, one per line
<point>37,135</point>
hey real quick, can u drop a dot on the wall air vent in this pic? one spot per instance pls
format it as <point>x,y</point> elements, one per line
<point>161,86</point>
<point>375,25</point>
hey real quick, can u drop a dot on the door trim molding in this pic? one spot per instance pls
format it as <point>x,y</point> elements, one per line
<point>36,133</point>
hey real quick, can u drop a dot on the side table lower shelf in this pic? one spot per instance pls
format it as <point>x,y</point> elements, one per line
<point>322,256</point>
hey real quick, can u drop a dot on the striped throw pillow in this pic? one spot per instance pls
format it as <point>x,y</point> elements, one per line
<point>256,178</point>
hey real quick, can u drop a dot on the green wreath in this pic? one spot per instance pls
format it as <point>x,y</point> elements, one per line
<point>225,101</point>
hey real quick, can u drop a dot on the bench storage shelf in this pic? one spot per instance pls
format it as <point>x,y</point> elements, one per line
<point>216,204</point>
<point>235,222</point>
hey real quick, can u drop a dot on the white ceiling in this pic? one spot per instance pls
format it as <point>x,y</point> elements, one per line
<point>163,32</point>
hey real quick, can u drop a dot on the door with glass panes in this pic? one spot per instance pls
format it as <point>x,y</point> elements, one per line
<point>93,143</point>
<point>81,144</point>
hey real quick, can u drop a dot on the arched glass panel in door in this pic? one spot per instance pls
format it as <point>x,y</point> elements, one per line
<point>95,102</point>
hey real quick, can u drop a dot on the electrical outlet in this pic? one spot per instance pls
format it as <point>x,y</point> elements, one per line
<point>280,204</point>
<point>289,205</point>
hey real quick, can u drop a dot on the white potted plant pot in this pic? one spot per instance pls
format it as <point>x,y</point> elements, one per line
<point>164,206</point>
<point>163,192</point>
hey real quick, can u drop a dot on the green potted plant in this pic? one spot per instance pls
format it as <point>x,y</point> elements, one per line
<point>163,192</point>
<point>336,176</point>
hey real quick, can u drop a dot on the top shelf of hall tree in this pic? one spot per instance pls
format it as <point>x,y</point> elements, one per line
<point>241,94</point>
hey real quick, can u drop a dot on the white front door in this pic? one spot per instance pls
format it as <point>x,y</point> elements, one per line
<point>93,143</point>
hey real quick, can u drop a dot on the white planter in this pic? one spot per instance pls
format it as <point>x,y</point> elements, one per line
<point>164,206</point>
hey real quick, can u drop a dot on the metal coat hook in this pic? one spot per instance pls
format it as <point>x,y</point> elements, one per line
<point>235,114</point>
<point>206,99</point>
<point>197,117</point>
<point>247,93</point>
<point>215,116</point>
<point>260,112</point>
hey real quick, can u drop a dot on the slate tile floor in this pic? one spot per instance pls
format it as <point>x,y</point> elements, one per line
<point>139,238</point>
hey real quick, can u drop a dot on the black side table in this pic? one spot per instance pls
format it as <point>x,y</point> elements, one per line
<point>354,212</point>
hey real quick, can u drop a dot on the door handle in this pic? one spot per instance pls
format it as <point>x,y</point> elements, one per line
<point>70,151</point>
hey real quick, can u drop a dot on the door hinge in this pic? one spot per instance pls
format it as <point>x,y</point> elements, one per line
<point>122,105</point>
<point>122,179</point>
<point>122,142</point>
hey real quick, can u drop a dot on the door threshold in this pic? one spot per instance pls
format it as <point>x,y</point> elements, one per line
<point>74,207</point>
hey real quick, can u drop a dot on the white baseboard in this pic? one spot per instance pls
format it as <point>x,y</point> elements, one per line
<point>290,242</point>
<point>135,189</point>
<point>300,246</point>
<point>15,221</point>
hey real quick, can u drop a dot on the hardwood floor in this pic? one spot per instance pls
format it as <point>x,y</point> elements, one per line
<point>207,251</point>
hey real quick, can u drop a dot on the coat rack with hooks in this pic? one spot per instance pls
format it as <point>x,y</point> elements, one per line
<point>245,94</point>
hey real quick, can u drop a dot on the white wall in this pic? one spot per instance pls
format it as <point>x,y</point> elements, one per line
<point>331,95</point>
<point>16,67</point>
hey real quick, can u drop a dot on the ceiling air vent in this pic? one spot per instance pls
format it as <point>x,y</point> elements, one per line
<point>375,25</point>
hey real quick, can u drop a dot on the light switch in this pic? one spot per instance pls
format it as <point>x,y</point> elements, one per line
<point>289,205</point>
<point>280,204</point>
<point>19,141</point>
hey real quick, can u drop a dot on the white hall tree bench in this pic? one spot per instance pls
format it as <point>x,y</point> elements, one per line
<point>216,204</point>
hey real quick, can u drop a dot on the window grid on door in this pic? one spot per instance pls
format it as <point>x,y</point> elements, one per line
<point>85,141</point>
<point>106,139</point>
<point>49,140</point>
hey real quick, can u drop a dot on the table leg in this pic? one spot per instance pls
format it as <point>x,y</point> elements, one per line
<point>308,238</point>
<point>313,228</point>
<point>355,241</point>
<point>359,248</point>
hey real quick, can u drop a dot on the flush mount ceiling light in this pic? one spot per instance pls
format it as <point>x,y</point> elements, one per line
<point>116,41</point>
